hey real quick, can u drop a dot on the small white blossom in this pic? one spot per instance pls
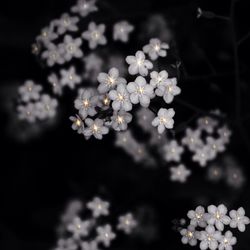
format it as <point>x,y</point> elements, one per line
<point>126,223</point>
<point>91,245</point>
<point>98,207</point>
<point>179,173</point>
<point>168,90</point>
<point>192,139</point>
<point>225,134</point>
<point>217,216</point>
<point>96,128</point>
<point>56,84</point>
<point>197,217</point>
<point>156,49</point>
<point>120,98</point>
<point>84,7</point>
<point>203,155</point>
<point>209,238</point>
<point>77,124</point>
<point>29,91</point>
<point>86,103</point>
<point>164,119</point>
<point>138,64</point>
<point>79,228</point>
<point>189,235</point>
<point>47,35</point>
<point>70,48</point>
<point>238,219</point>
<point>105,235</point>
<point>66,244</point>
<point>122,30</point>
<point>69,77</point>
<point>66,23</point>
<point>172,151</point>
<point>207,124</point>
<point>120,120</point>
<point>140,91</point>
<point>52,55</point>
<point>216,144</point>
<point>227,241</point>
<point>159,78</point>
<point>95,35</point>
<point>27,112</point>
<point>46,107</point>
<point>109,81</point>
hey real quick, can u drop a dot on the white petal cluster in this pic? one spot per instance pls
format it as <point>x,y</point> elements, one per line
<point>84,7</point>
<point>95,35</point>
<point>122,30</point>
<point>179,173</point>
<point>156,49</point>
<point>207,227</point>
<point>93,231</point>
<point>33,105</point>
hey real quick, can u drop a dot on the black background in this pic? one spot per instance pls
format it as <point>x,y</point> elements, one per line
<point>38,176</point>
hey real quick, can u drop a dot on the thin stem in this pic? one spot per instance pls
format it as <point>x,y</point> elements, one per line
<point>243,39</point>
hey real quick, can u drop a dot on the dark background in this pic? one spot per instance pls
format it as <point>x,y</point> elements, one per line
<point>38,176</point>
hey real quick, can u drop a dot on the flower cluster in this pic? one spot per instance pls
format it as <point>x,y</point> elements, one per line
<point>208,227</point>
<point>33,105</point>
<point>109,106</point>
<point>90,233</point>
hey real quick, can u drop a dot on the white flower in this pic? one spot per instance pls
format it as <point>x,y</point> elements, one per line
<point>79,228</point>
<point>84,7</point>
<point>105,235</point>
<point>216,144</point>
<point>234,176</point>
<point>69,77</point>
<point>47,35</point>
<point>77,124</point>
<point>120,98</point>
<point>179,173</point>
<point>126,223</point>
<point>209,238</point>
<point>225,134</point>
<point>168,90</point>
<point>192,139</point>
<point>164,120</point>
<point>144,119</point>
<point>56,84</point>
<point>140,92</point>
<point>207,123</point>
<point>66,23</point>
<point>189,235</point>
<point>138,64</point>
<point>173,151</point>
<point>197,217</point>
<point>53,55</point>
<point>239,219</point>
<point>29,91</point>
<point>70,48</point>
<point>66,244</point>
<point>95,128</point>
<point>46,107</point>
<point>156,49</point>
<point>95,35</point>
<point>27,112</point>
<point>86,103</point>
<point>120,120</point>
<point>159,78</point>
<point>109,81</point>
<point>214,173</point>
<point>98,207</point>
<point>203,155</point>
<point>227,241</point>
<point>91,245</point>
<point>217,216</point>
<point>122,30</point>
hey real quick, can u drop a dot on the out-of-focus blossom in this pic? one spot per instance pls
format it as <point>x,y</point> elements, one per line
<point>122,30</point>
<point>156,49</point>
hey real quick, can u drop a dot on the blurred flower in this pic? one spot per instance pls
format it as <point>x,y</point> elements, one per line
<point>98,207</point>
<point>122,30</point>
<point>156,49</point>
<point>105,235</point>
<point>179,173</point>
